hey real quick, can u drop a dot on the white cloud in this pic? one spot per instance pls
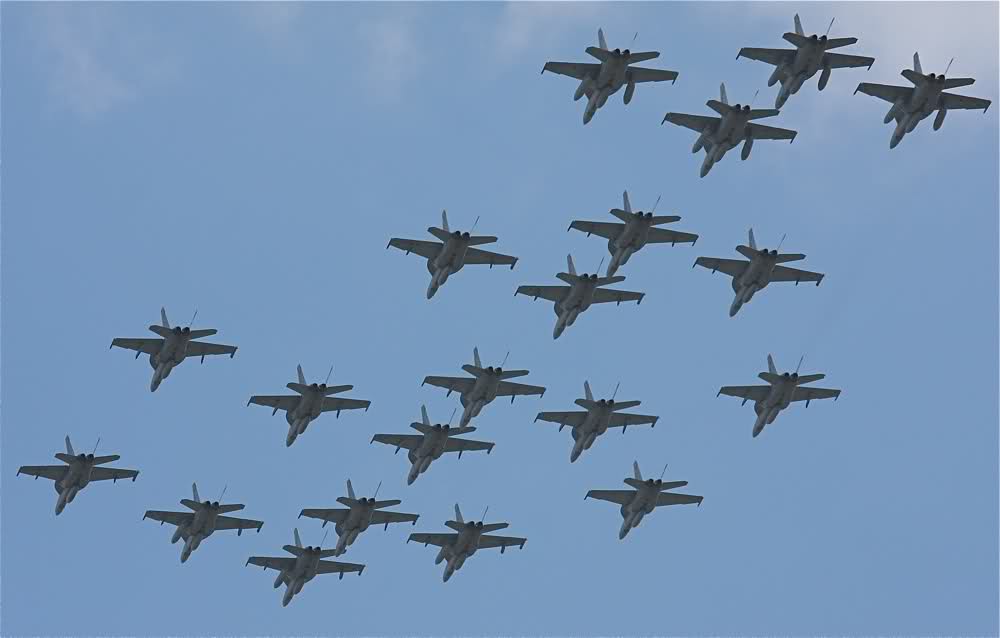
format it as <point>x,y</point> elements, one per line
<point>391,51</point>
<point>274,20</point>
<point>523,25</point>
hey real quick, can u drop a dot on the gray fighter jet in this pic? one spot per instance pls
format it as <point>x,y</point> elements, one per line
<point>596,419</point>
<point>78,472</point>
<point>311,401</point>
<point>781,391</point>
<point>485,385</point>
<point>762,269</point>
<point>203,519</point>
<point>431,443</point>
<point>637,230</point>
<point>719,134</point>
<point>361,513</point>
<point>912,104</point>
<point>453,250</point>
<point>582,291</point>
<point>307,564</point>
<point>600,81</point>
<point>470,537</point>
<point>792,67</point>
<point>172,348</point>
<point>643,498</point>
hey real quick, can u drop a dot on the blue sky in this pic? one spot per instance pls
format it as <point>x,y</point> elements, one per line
<point>251,161</point>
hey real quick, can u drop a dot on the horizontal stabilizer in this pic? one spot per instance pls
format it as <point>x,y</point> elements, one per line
<point>607,281</point>
<point>493,527</point>
<point>439,234</point>
<point>598,53</point>
<point>482,239</point>
<point>664,219</point>
<point>954,83</point>
<point>294,550</point>
<point>101,460</point>
<point>756,114</point>
<point>232,507</point>
<point>771,377</point>
<point>836,43</point>
<point>625,405</point>
<point>809,378</point>
<point>386,503</point>
<point>790,257</point>
<point>643,56</point>
<point>455,525</point>
<point>718,107</point>
<point>198,334</point>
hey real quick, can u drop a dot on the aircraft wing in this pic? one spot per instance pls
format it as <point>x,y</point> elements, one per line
<point>810,394</point>
<point>112,473</point>
<point>440,540</point>
<point>886,92</point>
<point>639,74</point>
<point>607,230</point>
<point>476,256</point>
<point>619,420</point>
<point>465,445</point>
<point>784,273</point>
<point>747,392</point>
<point>328,515</point>
<point>231,522</point>
<point>841,61</point>
<point>510,389</point>
<point>697,123</point>
<point>605,295</point>
<point>384,518</point>
<point>51,472</point>
<point>452,384</point>
<point>774,57</point>
<point>666,236</point>
<point>732,267</point>
<point>572,419</point>
<point>147,346</point>
<point>578,70</point>
<point>200,349</point>
<point>488,541</point>
<point>173,518</point>
<point>408,441</point>
<point>668,498</point>
<point>614,496</point>
<point>552,293</point>
<point>286,402</point>
<point>761,132</point>
<point>333,404</point>
<point>334,567</point>
<point>272,562</point>
<point>428,249</point>
<point>952,101</point>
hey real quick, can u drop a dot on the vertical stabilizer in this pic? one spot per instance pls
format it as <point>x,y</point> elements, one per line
<point>475,358</point>
<point>798,25</point>
<point>302,377</point>
<point>601,42</point>
<point>458,514</point>
<point>194,493</point>
<point>163,317</point>
<point>916,63</point>
<point>587,392</point>
<point>635,470</point>
<point>753,242</point>
<point>69,447</point>
<point>722,94</point>
<point>350,490</point>
<point>770,365</point>
<point>423,415</point>
<point>298,541</point>
<point>444,221</point>
<point>569,263</point>
<point>627,204</point>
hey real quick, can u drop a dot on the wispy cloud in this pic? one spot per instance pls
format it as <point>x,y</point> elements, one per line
<point>391,51</point>
<point>523,25</point>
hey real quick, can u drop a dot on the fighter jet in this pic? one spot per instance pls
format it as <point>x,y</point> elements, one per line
<point>360,514</point>
<point>296,572</point>
<point>762,269</point>
<point>485,385</point>
<point>454,251</point>
<point>198,524</point>
<point>582,291</point>
<point>781,391</point>
<point>79,470</point>
<point>311,401</point>
<point>637,230</point>
<point>431,443</point>
<point>912,104</point>
<point>596,419</point>
<point>172,348</point>
<point>643,498</point>
<point>719,134</point>
<point>600,81</point>
<point>792,67</point>
<point>471,536</point>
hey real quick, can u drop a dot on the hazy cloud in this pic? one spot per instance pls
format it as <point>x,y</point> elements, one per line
<point>391,51</point>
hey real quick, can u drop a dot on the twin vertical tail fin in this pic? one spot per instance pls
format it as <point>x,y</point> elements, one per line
<point>163,317</point>
<point>302,377</point>
<point>722,94</point>
<point>475,358</point>
<point>69,447</point>
<point>423,415</point>
<point>601,42</point>
<point>298,541</point>
<point>916,63</point>
<point>635,470</point>
<point>587,392</point>
<point>753,242</point>
<point>444,221</point>
<point>770,365</point>
<point>350,490</point>
<point>458,514</point>
<point>798,25</point>
<point>627,204</point>
<point>569,264</point>
<point>194,492</point>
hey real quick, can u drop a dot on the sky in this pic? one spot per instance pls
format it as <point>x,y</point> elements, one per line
<point>251,161</point>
